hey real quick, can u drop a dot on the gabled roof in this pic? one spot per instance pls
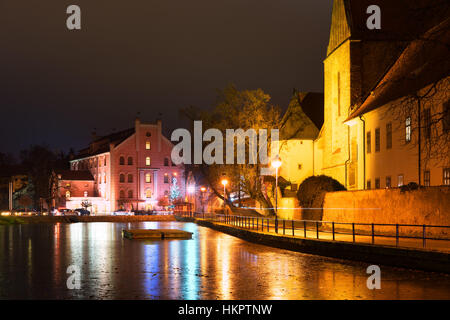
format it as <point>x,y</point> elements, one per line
<point>400,19</point>
<point>424,61</point>
<point>82,175</point>
<point>304,116</point>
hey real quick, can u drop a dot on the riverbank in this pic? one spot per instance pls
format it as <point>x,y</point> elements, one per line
<point>410,258</point>
<point>74,219</point>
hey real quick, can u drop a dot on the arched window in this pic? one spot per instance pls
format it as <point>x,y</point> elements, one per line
<point>148,193</point>
<point>130,194</point>
<point>104,178</point>
<point>122,178</point>
<point>148,161</point>
<point>147,145</point>
<point>122,194</point>
<point>148,178</point>
<point>166,178</point>
<point>130,178</point>
<point>121,161</point>
<point>130,161</point>
<point>166,162</point>
<point>67,194</point>
<point>104,161</point>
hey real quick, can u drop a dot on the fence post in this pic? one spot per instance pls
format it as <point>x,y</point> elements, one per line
<point>396,235</point>
<point>293,229</point>
<point>257,224</point>
<point>353,231</point>
<point>423,236</point>
<point>317,229</point>
<point>268,225</point>
<point>373,233</point>
<point>304,227</point>
<point>284,227</point>
<point>332,227</point>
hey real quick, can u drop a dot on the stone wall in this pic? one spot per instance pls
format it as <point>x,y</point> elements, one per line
<point>430,206</point>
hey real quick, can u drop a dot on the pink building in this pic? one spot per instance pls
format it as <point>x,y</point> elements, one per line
<point>131,169</point>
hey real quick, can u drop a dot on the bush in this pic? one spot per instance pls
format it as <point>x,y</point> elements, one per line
<point>311,194</point>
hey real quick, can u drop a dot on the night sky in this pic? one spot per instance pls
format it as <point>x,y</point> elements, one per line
<point>146,56</point>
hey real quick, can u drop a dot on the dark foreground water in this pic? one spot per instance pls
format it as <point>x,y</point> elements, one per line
<point>34,260</point>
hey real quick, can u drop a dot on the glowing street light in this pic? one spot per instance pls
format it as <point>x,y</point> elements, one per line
<point>276,164</point>
<point>224,182</point>
<point>191,189</point>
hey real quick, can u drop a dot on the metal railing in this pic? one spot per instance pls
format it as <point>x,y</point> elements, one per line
<point>327,230</point>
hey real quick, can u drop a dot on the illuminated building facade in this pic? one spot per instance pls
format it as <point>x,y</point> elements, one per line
<point>131,169</point>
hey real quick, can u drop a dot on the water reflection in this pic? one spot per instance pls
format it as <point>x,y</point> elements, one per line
<point>34,260</point>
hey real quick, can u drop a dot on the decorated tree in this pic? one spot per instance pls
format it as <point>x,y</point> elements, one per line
<point>174,191</point>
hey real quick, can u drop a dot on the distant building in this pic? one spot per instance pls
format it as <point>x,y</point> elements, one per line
<point>126,170</point>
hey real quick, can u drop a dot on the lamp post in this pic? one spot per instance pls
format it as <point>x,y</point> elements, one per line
<point>202,194</point>
<point>224,182</point>
<point>191,198</point>
<point>276,164</point>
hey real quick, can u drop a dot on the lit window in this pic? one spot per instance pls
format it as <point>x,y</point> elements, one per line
<point>446,176</point>
<point>147,145</point>
<point>147,161</point>
<point>408,130</point>
<point>400,180</point>
<point>148,193</point>
<point>148,177</point>
<point>426,178</point>
<point>85,193</point>
<point>67,194</point>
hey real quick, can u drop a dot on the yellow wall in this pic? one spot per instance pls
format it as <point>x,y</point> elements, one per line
<point>295,153</point>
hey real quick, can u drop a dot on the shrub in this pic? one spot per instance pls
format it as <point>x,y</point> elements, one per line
<point>311,194</point>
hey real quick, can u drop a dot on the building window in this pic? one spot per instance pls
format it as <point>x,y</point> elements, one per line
<point>339,93</point>
<point>147,161</point>
<point>104,178</point>
<point>377,183</point>
<point>369,142</point>
<point>446,117</point>
<point>148,178</point>
<point>122,178</point>
<point>388,182</point>
<point>130,194</point>
<point>148,193</point>
<point>122,194</point>
<point>426,178</point>
<point>408,130</point>
<point>121,161</point>
<point>166,162</point>
<point>85,193</point>
<point>147,145</point>
<point>446,176</point>
<point>130,161</point>
<point>67,194</point>
<point>148,134</point>
<point>427,123</point>
<point>377,140</point>
<point>166,178</point>
<point>400,180</point>
<point>130,178</point>
<point>369,185</point>
<point>389,135</point>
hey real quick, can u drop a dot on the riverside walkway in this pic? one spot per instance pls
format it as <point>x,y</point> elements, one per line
<point>401,236</point>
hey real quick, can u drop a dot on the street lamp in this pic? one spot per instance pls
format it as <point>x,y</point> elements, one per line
<point>202,194</point>
<point>224,182</point>
<point>276,164</point>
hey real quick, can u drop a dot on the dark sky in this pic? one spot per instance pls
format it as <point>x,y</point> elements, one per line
<point>150,56</point>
